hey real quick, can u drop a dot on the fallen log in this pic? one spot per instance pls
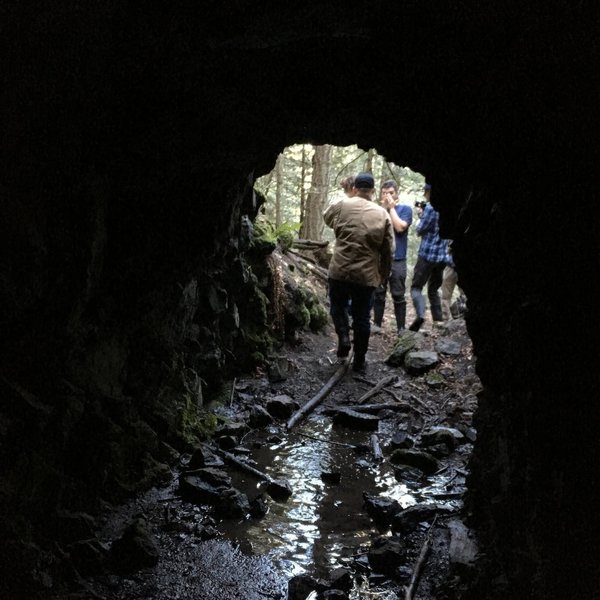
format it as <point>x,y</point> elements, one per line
<point>385,381</point>
<point>277,489</point>
<point>411,588</point>
<point>322,394</point>
<point>313,268</point>
<point>377,453</point>
<point>373,408</point>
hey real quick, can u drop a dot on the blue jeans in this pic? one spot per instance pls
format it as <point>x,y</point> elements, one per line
<point>356,299</point>
<point>430,274</point>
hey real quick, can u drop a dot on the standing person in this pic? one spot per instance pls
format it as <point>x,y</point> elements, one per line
<point>449,281</point>
<point>401,217</point>
<point>361,261</point>
<point>430,264</point>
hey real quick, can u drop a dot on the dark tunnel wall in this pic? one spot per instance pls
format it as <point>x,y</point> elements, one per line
<point>130,143</point>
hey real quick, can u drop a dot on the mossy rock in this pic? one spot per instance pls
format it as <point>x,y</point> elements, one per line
<point>405,343</point>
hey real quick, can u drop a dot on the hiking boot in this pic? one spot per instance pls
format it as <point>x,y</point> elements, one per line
<point>344,345</point>
<point>359,364</point>
<point>416,324</point>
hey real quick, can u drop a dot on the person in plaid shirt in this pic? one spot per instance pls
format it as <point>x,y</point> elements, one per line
<point>430,264</point>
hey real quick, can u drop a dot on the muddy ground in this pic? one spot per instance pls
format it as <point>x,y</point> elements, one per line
<point>356,524</point>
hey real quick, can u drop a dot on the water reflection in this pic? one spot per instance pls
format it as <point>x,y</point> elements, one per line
<point>321,523</point>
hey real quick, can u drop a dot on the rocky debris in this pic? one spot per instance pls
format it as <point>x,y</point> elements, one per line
<point>136,549</point>
<point>463,548</point>
<point>443,435</point>
<point>234,429</point>
<point>355,420</point>
<point>386,554</point>
<point>301,586</point>
<point>340,579</point>
<point>401,440</point>
<point>259,416</point>
<point>418,363</point>
<point>408,519</point>
<point>202,457</point>
<point>415,458</point>
<point>279,490</point>
<point>259,507</point>
<point>381,509</point>
<point>282,406</point>
<point>213,486</point>
<point>447,346</point>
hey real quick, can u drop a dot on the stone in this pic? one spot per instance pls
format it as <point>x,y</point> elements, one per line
<point>381,509</point>
<point>259,507</point>
<point>234,429</point>
<point>134,550</point>
<point>282,406</point>
<point>355,420</point>
<point>446,346</point>
<point>401,439</point>
<point>232,504</point>
<point>386,555</point>
<point>406,342</point>
<point>415,458</point>
<point>340,579</point>
<point>443,435</point>
<point>418,363</point>
<point>259,417</point>
<point>279,489</point>
<point>408,519</point>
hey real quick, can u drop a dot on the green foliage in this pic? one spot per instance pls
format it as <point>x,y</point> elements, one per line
<point>284,234</point>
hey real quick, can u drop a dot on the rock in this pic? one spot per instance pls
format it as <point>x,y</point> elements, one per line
<point>463,549</point>
<point>232,504</point>
<point>259,507</point>
<point>443,435</point>
<point>386,555</point>
<point>340,579</point>
<point>417,363</point>
<point>355,420</point>
<point>282,406</point>
<point>135,550</point>
<point>227,442</point>
<point>381,509</point>
<point>277,369</point>
<point>406,342</point>
<point>204,486</point>
<point>259,417</point>
<point>446,346</point>
<point>333,478</point>
<point>408,519</point>
<point>435,380</point>
<point>415,458</point>
<point>235,429</point>
<point>301,586</point>
<point>279,489</point>
<point>202,457</point>
<point>401,439</point>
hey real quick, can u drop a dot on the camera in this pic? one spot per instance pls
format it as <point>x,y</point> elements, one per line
<point>420,203</point>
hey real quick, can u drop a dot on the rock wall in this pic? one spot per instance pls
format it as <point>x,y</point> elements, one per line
<point>131,138</point>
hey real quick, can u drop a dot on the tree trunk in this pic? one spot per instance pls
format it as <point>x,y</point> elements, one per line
<point>302,181</point>
<point>278,188</point>
<point>312,226</point>
<point>370,157</point>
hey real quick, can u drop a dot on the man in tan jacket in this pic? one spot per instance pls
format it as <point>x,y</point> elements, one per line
<point>361,262</point>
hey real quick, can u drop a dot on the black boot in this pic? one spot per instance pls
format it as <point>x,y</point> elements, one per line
<point>343,344</point>
<point>400,311</point>
<point>361,344</point>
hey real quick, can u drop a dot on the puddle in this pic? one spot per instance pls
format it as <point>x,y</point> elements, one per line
<point>322,524</point>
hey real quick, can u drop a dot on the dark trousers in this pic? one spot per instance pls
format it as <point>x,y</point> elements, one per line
<point>430,274</point>
<point>397,284</point>
<point>344,298</point>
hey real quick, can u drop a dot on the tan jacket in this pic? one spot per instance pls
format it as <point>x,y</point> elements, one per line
<point>364,241</point>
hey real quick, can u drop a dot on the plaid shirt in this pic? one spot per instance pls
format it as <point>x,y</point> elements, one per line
<point>433,248</point>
